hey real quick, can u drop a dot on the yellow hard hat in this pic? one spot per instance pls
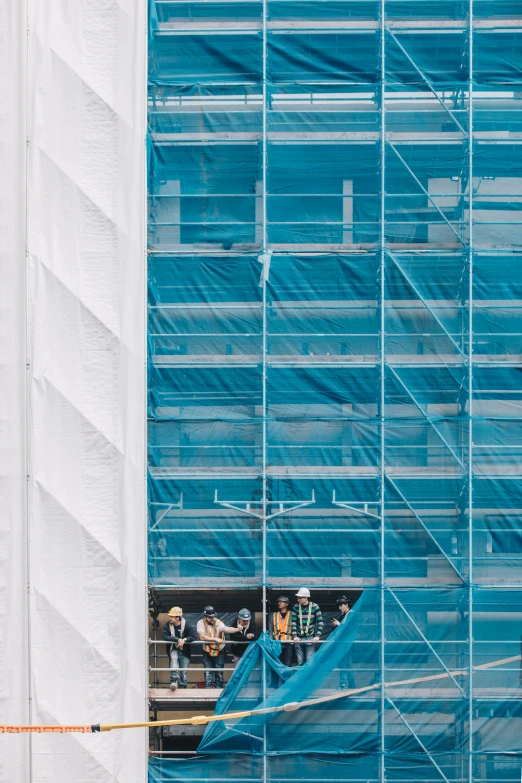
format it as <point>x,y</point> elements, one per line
<point>176,611</point>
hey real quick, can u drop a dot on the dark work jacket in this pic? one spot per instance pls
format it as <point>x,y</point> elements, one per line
<point>341,617</point>
<point>188,633</point>
<point>239,649</point>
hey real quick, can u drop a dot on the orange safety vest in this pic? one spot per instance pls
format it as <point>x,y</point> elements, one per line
<point>282,628</point>
<point>211,630</point>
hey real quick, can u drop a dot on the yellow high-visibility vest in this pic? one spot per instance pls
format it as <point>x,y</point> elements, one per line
<point>304,631</point>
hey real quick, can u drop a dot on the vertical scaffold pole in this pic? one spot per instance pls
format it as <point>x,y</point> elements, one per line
<point>470,397</point>
<point>27,387</point>
<point>264,402</point>
<point>382,385</point>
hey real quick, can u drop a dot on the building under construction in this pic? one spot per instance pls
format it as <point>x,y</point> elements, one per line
<point>334,392</point>
<point>325,200</point>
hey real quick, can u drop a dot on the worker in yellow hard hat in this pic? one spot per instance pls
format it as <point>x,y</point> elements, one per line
<point>179,633</point>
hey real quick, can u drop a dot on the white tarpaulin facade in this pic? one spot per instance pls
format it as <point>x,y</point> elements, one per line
<point>72,381</point>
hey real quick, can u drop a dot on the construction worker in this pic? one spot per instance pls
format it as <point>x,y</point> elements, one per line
<point>180,634</point>
<point>344,609</point>
<point>212,631</point>
<point>346,676</point>
<point>280,628</point>
<point>247,633</point>
<point>307,626</point>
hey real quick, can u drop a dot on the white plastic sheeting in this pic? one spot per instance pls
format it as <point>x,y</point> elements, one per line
<point>84,314</point>
<point>14,701</point>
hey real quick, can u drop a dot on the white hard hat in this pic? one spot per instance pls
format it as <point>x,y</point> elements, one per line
<point>304,592</point>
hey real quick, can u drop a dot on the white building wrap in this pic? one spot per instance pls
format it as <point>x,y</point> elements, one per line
<point>75,268</point>
<point>14,668</point>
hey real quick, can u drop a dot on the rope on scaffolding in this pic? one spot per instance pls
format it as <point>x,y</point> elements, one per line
<point>199,720</point>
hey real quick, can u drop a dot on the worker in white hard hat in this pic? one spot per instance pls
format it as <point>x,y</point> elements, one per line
<point>180,634</point>
<point>307,626</point>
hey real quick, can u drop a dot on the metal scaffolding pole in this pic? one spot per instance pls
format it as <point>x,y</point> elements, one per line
<point>470,403</point>
<point>427,418</point>
<point>382,577</point>
<point>418,294</point>
<point>425,80</point>
<point>423,189</point>
<point>418,739</point>
<point>424,639</point>
<point>424,527</point>
<point>264,275</point>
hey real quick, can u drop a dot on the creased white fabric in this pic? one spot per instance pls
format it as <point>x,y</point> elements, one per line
<point>86,278</point>
<point>14,694</point>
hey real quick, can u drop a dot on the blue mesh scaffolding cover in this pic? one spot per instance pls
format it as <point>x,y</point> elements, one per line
<point>239,769</point>
<point>427,730</point>
<point>330,727</point>
<point>380,361</point>
<point>279,769</point>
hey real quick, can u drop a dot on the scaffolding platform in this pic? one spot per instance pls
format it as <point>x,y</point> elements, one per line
<point>164,697</point>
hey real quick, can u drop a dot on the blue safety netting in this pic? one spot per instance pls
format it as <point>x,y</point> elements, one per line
<point>426,722</point>
<point>335,363</point>
<point>262,682</point>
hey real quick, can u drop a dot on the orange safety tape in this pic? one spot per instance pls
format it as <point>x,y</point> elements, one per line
<point>45,729</point>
